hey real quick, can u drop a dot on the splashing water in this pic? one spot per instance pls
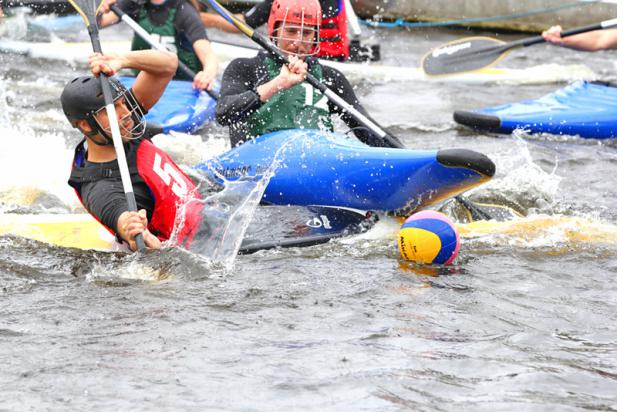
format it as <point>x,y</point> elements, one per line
<point>131,270</point>
<point>227,214</point>
<point>15,27</point>
<point>524,186</point>
<point>24,153</point>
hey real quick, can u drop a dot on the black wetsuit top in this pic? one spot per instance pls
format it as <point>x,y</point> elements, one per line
<point>239,99</point>
<point>105,198</point>
<point>187,22</point>
<point>259,14</point>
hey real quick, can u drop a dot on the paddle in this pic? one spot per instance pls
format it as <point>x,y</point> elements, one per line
<point>155,44</point>
<point>474,53</point>
<point>270,227</point>
<point>301,226</point>
<point>333,97</point>
<point>87,9</point>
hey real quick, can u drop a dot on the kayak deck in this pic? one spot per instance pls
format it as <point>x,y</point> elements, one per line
<point>322,168</point>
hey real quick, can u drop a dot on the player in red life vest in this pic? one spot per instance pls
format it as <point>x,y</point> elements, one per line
<point>334,37</point>
<point>160,187</point>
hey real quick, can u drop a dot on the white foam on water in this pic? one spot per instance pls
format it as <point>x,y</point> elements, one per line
<point>131,270</point>
<point>520,180</point>
<point>549,73</point>
<point>15,27</point>
<point>32,163</point>
<point>187,149</point>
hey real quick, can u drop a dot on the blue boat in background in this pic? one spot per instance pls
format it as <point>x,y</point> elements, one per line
<point>181,108</point>
<point>585,109</point>
<point>311,167</point>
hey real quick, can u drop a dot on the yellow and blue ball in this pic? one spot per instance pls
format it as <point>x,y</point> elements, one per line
<point>429,237</point>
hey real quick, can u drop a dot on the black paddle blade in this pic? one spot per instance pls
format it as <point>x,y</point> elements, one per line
<point>298,226</point>
<point>467,211</point>
<point>87,9</point>
<point>464,55</point>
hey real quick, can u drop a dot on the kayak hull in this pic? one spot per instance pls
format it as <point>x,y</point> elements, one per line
<point>314,167</point>
<point>181,108</point>
<point>585,109</point>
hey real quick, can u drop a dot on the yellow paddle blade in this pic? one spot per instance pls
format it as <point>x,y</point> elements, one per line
<point>240,25</point>
<point>87,9</point>
<point>564,228</point>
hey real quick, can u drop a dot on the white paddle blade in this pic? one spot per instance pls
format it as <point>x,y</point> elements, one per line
<point>463,55</point>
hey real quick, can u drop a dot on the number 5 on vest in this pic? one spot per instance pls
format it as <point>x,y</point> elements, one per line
<point>167,173</point>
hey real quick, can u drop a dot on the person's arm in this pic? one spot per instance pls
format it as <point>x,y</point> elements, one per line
<point>243,89</point>
<point>206,77</point>
<point>289,76</point>
<point>156,69</point>
<point>337,82</point>
<point>106,17</point>
<point>254,17</point>
<point>188,25</point>
<point>238,98</point>
<point>217,22</point>
<point>106,200</point>
<point>590,41</point>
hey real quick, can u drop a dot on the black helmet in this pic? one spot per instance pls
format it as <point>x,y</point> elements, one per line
<point>83,97</point>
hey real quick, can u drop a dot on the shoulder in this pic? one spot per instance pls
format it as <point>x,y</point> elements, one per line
<point>331,72</point>
<point>246,63</point>
<point>334,77</point>
<point>184,10</point>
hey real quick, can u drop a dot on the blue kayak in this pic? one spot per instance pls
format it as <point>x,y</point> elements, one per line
<point>71,22</point>
<point>181,108</point>
<point>585,109</point>
<point>322,168</point>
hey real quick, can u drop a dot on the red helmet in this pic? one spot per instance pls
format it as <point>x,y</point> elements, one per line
<point>300,12</point>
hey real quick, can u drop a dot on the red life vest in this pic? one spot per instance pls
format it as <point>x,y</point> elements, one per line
<point>176,200</point>
<point>333,36</point>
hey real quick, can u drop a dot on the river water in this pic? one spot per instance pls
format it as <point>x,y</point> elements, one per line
<point>525,319</point>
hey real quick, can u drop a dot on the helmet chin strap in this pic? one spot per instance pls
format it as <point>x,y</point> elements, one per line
<point>108,141</point>
<point>95,130</point>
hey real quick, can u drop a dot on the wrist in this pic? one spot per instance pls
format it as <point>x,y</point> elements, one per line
<point>280,83</point>
<point>125,62</point>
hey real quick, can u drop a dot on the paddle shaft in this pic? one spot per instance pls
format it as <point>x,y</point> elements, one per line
<point>155,44</point>
<point>115,133</point>
<point>530,41</point>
